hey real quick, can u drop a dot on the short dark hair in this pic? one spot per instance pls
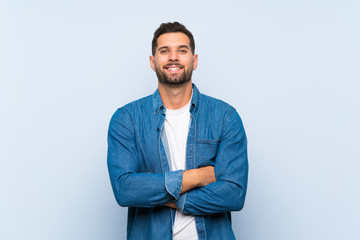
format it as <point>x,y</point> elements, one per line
<point>171,27</point>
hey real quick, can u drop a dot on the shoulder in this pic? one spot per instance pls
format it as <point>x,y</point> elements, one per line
<point>218,112</point>
<point>215,105</point>
<point>135,107</point>
<point>224,114</point>
<point>215,102</point>
<point>128,113</point>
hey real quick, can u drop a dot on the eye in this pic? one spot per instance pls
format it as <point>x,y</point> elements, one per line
<point>164,51</point>
<point>183,51</point>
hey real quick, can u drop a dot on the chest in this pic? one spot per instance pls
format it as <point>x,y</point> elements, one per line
<point>201,139</point>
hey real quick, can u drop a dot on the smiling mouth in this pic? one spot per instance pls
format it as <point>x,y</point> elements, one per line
<point>173,67</point>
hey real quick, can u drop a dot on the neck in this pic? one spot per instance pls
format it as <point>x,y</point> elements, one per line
<point>175,97</point>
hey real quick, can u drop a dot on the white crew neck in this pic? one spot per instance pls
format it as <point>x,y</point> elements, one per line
<point>176,112</point>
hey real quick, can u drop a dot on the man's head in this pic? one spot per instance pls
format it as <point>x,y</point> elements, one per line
<point>171,28</point>
<point>173,56</point>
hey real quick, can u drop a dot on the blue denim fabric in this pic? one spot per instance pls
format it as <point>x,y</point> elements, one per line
<point>141,178</point>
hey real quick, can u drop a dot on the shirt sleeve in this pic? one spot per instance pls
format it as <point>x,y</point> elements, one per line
<point>231,172</point>
<point>133,189</point>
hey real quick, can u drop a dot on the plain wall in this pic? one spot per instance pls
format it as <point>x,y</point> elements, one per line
<point>290,68</point>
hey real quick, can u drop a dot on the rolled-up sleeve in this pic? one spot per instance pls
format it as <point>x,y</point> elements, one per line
<point>173,181</point>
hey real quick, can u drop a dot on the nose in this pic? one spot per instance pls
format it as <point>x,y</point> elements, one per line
<point>173,56</point>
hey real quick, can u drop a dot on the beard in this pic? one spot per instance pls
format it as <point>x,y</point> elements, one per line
<point>174,79</point>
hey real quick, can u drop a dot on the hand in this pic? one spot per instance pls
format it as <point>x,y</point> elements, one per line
<point>170,204</point>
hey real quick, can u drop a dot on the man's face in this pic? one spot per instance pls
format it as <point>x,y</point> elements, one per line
<point>173,60</point>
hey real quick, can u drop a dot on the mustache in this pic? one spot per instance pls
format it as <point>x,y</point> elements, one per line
<point>173,64</point>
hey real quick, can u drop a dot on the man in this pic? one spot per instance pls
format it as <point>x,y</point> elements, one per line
<point>177,158</point>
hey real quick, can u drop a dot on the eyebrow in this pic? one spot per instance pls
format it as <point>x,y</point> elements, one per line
<point>181,46</point>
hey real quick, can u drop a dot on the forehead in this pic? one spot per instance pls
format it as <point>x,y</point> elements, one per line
<point>173,39</point>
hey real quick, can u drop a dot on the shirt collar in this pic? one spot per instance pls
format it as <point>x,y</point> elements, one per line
<point>158,105</point>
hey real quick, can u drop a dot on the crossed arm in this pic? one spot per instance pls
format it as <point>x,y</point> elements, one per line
<point>195,178</point>
<point>201,191</point>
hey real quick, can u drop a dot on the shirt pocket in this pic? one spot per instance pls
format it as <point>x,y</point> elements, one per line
<point>205,152</point>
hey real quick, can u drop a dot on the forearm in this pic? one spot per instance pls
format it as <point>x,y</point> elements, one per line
<point>198,177</point>
<point>224,195</point>
<point>146,189</point>
<point>213,198</point>
<point>150,190</point>
<point>195,178</point>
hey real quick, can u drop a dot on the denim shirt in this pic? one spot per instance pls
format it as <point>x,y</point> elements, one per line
<point>140,175</point>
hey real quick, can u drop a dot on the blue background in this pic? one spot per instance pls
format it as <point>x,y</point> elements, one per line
<point>291,69</point>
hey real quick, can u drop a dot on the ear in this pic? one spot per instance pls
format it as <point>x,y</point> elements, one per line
<point>152,64</point>
<point>195,63</point>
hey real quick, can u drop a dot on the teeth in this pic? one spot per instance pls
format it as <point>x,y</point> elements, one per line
<point>172,69</point>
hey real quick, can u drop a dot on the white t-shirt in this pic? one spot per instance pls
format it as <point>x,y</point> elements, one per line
<point>177,128</point>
